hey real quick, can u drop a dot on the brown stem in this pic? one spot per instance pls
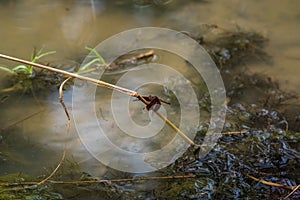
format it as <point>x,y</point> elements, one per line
<point>73,75</point>
<point>99,181</point>
<point>68,131</point>
<point>101,83</point>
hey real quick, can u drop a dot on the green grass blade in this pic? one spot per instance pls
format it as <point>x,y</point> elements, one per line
<point>40,54</point>
<point>7,70</point>
<point>87,65</point>
<point>98,56</point>
<point>21,68</point>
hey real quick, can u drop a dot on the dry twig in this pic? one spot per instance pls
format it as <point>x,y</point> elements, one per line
<point>234,132</point>
<point>270,183</point>
<point>100,83</point>
<point>97,181</point>
<point>22,120</point>
<point>61,99</point>
<point>68,130</point>
<point>294,190</point>
<point>104,84</point>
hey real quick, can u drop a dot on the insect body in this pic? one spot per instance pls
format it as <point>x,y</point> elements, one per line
<point>154,102</point>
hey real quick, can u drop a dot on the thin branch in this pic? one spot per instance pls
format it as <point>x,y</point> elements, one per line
<point>99,181</point>
<point>125,179</point>
<point>73,75</point>
<point>294,190</point>
<point>56,168</point>
<point>61,98</point>
<point>22,120</point>
<point>270,183</point>
<point>184,136</point>
<point>100,83</point>
<point>234,132</point>
<point>68,130</point>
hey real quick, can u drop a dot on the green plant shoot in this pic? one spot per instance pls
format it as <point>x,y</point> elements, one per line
<point>96,58</point>
<point>27,70</point>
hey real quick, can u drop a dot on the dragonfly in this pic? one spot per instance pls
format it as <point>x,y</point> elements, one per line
<point>154,102</point>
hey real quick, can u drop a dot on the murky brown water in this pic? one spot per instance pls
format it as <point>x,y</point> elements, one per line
<point>68,26</point>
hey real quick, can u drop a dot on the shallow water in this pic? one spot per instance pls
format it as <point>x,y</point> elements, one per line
<point>25,24</point>
<point>68,26</point>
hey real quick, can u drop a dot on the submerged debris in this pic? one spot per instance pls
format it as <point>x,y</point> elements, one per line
<point>11,188</point>
<point>232,48</point>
